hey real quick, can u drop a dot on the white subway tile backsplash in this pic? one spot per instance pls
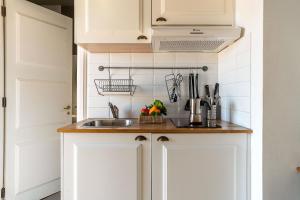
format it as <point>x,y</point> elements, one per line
<point>150,83</point>
<point>92,77</point>
<point>234,66</point>
<point>124,104</point>
<point>98,58</point>
<point>141,71</point>
<point>164,59</point>
<point>120,60</point>
<point>98,112</point>
<point>93,69</point>
<point>92,92</point>
<point>243,59</point>
<point>160,91</point>
<point>187,60</point>
<point>159,76</point>
<point>97,101</point>
<point>241,89</point>
<point>241,118</point>
<point>236,103</point>
<point>208,58</point>
<point>144,91</point>
<point>121,71</point>
<point>142,60</point>
<point>142,80</point>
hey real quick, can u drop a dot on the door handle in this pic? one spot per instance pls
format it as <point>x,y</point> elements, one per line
<point>140,138</point>
<point>67,107</point>
<point>163,139</point>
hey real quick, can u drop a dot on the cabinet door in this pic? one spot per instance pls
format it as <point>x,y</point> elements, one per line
<point>189,166</point>
<point>106,166</point>
<point>112,21</point>
<point>193,12</point>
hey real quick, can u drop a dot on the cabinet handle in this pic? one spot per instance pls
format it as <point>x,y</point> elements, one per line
<point>142,37</point>
<point>140,138</point>
<point>161,19</point>
<point>163,139</point>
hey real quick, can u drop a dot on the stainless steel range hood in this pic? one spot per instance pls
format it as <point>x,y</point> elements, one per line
<point>194,38</point>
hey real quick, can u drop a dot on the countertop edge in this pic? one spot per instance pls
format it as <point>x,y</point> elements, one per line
<point>227,128</point>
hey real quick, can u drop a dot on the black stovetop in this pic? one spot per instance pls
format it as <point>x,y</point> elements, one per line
<point>184,123</point>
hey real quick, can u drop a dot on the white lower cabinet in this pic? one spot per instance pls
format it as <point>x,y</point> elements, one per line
<point>199,167</point>
<point>106,167</point>
<point>154,167</point>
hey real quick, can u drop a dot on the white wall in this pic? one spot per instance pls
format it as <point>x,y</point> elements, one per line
<point>234,62</point>
<point>151,83</point>
<point>281,147</point>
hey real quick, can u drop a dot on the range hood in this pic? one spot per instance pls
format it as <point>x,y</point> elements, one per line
<point>194,38</point>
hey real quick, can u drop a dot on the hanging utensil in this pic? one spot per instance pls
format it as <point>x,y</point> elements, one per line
<point>207,93</point>
<point>187,105</point>
<point>173,86</point>
<point>197,86</point>
<point>170,79</point>
<point>193,85</point>
<point>179,79</point>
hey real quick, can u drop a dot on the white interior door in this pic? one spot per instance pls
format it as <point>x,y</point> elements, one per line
<point>39,63</point>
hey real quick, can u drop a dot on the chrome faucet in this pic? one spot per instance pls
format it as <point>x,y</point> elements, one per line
<point>114,110</point>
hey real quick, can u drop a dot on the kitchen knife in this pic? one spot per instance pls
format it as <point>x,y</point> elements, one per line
<point>197,86</point>
<point>193,85</point>
<point>208,98</point>
<point>187,105</point>
<point>207,92</point>
<point>216,92</point>
<point>190,87</point>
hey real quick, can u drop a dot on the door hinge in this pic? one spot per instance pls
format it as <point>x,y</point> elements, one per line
<point>3,193</point>
<point>3,11</point>
<point>4,102</point>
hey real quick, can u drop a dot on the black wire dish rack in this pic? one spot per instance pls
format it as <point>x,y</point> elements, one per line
<point>115,86</point>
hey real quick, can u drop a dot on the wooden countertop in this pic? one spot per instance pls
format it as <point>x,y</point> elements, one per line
<point>167,127</point>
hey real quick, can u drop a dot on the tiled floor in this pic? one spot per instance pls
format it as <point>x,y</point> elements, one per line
<point>53,197</point>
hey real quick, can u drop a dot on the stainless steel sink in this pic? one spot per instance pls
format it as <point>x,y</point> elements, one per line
<point>108,123</point>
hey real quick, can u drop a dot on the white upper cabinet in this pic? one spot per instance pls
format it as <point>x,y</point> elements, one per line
<point>112,21</point>
<point>192,12</point>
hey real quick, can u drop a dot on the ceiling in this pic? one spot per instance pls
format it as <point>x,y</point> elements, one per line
<point>54,2</point>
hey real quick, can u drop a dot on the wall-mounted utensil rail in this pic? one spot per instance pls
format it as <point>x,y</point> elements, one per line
<point>204,68</point>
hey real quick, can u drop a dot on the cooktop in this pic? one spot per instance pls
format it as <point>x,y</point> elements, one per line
<point>184,123</point>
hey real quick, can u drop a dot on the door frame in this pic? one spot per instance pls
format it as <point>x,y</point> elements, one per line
<point>81,84</point>
<point>2,95</point>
